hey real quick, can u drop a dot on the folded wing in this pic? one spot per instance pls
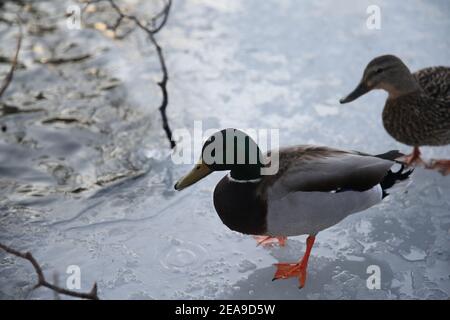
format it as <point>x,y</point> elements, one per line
<point>321,169</point>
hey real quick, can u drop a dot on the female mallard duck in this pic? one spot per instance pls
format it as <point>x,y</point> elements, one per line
<point>313,189</point>
<point>417,110</point>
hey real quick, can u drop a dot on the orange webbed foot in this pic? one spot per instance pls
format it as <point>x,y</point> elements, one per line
<point>269,241</point>
<point>443,166</point>
<point>290,270</point>
<point>413,158</point>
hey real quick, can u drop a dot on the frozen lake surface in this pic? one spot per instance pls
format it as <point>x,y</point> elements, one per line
<point>86,176</point>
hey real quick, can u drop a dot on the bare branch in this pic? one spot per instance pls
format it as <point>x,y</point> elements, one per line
<point>42,282</point>
<point>10,75</point>
<point>164,14</point>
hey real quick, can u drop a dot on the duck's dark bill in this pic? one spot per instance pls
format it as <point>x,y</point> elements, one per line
<point>200,171</point>
<point>361,89</point>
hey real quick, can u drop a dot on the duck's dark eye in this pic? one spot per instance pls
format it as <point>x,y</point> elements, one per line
<point>379,70</point>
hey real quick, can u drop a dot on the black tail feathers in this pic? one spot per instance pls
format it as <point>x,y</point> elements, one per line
<point>392,155</point>
<point>393,177</point>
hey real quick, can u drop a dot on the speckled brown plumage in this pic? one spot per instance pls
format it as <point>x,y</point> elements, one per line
<point>417,119</point>
<point>435,81</point>
<point>417,111</point>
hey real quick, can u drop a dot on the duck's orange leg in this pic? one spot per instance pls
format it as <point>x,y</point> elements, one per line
<point>289,270</point>
<point>443,166</point>
<point>268,240</point>
<point>414,157</point>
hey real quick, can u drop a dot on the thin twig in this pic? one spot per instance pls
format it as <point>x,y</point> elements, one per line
<point>164,14</point>
<point>42,282</point>
<point>56,282</point>
<point>10,75</point>
<point>151,34</point>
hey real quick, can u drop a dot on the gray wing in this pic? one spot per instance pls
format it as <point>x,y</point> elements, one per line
<point>309,168</point>
<point>435,81</point>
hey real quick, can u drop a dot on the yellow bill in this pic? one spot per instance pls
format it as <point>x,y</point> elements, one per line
<point>200,171</point>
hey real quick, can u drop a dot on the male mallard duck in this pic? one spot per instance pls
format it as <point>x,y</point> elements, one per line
<point>314,188</point>
<point>417,110</point>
